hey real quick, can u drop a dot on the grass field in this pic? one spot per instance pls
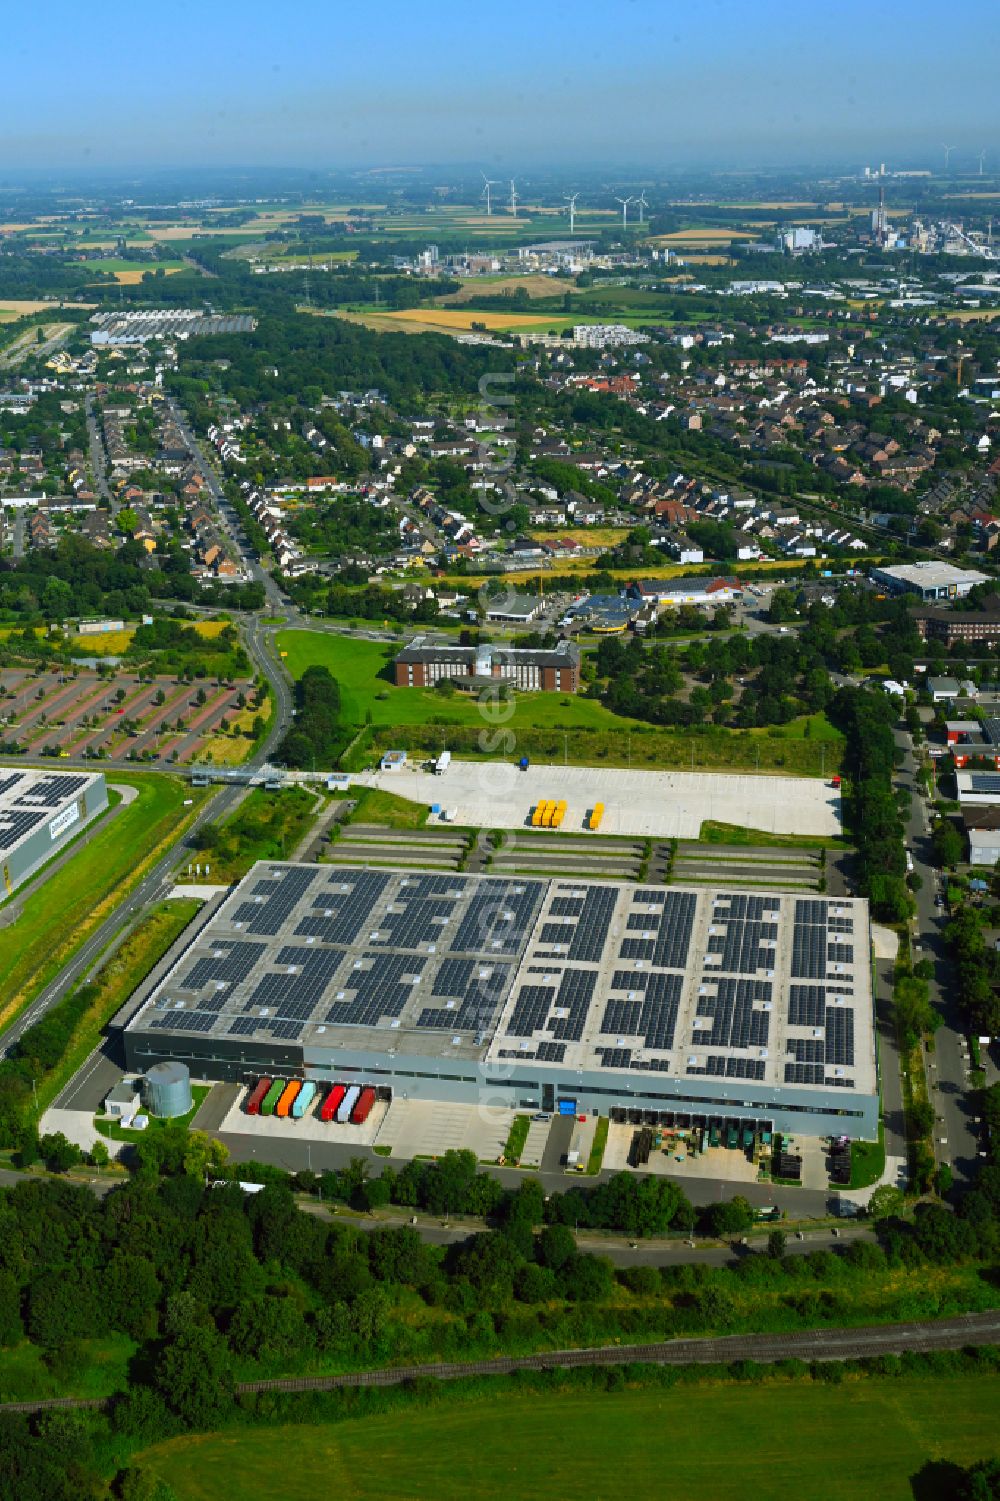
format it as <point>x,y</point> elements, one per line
<point>730,833</point>
<point>355,664</point>
<point>813,1442</point>
<point>266,826</point>
<point>419,719</point>
<point>59,913</point>
<point>375,806</point>
<point>130,963</point>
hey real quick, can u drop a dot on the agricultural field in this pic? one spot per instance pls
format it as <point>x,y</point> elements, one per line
<point>448,320</point>
<point>847,1442</point>
<point>130,273</point>
<point>499,286</point>
<point>120,718</point>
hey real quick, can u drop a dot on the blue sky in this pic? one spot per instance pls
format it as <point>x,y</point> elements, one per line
<point>641,82</point>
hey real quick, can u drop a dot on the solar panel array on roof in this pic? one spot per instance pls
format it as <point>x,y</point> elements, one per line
<point>654,1017</point>
<point>340,908</point>
<point>50,791</point>
<point>14,824</point>
<point>185,1021</point>
<point>499,918</point>
<point>591,931</point>
<point>803,1073</point>
<point>809,940</point>
<point>670,932</point>
<point>807,1049</point>
<point>7,782</point>
<point>575,993</point>
<point>806,1006</point>
<point>531,1010</point>
<point>729,1018</point>
<point>719,1066</point>
<point>273,899</point>
<point>984,781</point>
<point>228,964</point>
<point>839,1034</point>
<point>380,990</point>
<point>479,992</point>
<point>745,947</point>
<point>614,1057</point>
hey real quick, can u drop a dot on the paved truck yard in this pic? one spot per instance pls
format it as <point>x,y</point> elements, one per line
<point>646,804</point>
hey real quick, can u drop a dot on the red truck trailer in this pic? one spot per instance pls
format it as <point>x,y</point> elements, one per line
<point>256,1096</point>
<point>331,1104</point>
<point>362,1109</point>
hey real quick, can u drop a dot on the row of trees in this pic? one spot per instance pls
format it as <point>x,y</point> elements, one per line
<point>867,720</point>
<point>316,739</point>
<point>978,966</point>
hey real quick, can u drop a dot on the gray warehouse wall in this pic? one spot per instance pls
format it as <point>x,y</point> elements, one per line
<point>463,1081</point>
<point>40,846</point>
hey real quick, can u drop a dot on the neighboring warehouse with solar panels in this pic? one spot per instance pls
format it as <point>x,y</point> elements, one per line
<point>40,811</point>
<point>533,993</point>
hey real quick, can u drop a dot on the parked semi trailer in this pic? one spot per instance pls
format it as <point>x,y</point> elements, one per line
<point>256,1096</point>
<point>288,1094</point>
<point>347,1104</point>
<point>272,1097</point>
<point>331,1104</point>
<point>303,1100</point>
<point>363,1108</point>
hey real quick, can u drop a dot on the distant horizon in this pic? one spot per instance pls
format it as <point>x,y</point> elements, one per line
<point>450,171</point>
<point>724,86</point>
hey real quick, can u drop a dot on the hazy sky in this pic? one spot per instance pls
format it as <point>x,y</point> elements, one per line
<point>338,83</point>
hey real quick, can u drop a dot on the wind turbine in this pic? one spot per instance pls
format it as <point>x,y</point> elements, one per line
<point>624,203</point>
<point>488,182</point>
<point>641,201</point>
<point>947,156</point>
<point>982,158</point>
<point>571,200</point>
<point>513,198</point>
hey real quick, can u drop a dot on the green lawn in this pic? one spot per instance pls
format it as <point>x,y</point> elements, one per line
<point>122,972</point>
<point>547,727</point>
<point>356,665</point>
<point>375,806</point>
<point>712,832</point>
<point>117,1132</point>
<point>266,826</point>
<point>93,1368</point>
<point>868,1160</point>
<point>59,913</point>
<point>813,1442</point>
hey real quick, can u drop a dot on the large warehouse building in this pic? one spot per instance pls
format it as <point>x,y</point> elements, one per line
<point>540,994</point>
<point>41,811</point>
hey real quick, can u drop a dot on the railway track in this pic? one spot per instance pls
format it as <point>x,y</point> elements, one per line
<point>763,1349</point>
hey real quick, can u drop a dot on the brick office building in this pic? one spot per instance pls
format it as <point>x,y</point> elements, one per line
<point>547,670</point>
